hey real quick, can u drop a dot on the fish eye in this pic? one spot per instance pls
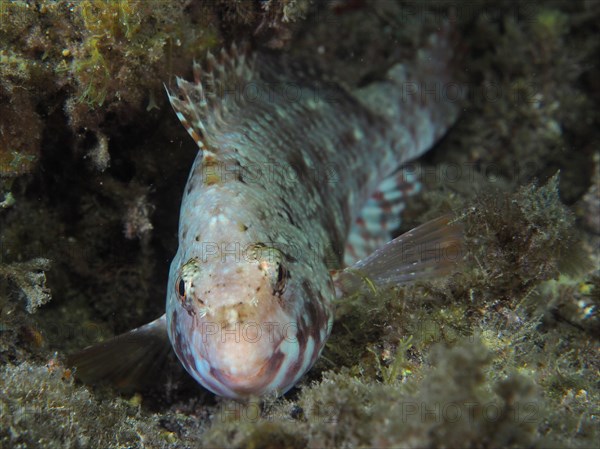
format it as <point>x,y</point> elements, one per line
<point>180,289</point>
<point>280,273</point>
<point>282,276</point>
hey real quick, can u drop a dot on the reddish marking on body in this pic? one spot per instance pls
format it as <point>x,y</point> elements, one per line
<point>196,137</point>
<point>378,195</point>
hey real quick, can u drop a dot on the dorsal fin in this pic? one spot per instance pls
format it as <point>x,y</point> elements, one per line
<point>217,90</point>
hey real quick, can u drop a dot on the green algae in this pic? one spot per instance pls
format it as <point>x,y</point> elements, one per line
<point>30,277</point>
<point>35,414</point>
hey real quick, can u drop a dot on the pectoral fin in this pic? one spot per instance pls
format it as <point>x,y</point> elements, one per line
<point>129,360</point>
<point>432,249</point>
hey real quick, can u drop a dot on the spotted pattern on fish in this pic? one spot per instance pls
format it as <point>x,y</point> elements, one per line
<point>253,315</point>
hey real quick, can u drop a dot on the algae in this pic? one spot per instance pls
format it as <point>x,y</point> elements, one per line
<point>30,277</point>
<point>500,354</point>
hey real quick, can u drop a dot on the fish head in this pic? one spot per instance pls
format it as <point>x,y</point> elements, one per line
<point>246,325</point>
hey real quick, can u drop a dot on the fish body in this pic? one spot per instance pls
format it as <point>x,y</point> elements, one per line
<point>287,161</point>
<point>250,295</point>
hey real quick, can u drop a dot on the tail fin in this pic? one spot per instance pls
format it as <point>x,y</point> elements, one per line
<point>126,361</point>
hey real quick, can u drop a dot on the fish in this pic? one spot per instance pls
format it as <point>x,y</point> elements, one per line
<point>290,206</point>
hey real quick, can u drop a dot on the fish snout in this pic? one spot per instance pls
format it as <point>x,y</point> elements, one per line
<point>251,379</point>
<point>250,359</point>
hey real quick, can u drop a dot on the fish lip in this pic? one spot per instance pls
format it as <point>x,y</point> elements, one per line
<point>246,385</point>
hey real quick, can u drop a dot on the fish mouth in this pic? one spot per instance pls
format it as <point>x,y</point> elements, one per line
<point>258,383</point>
